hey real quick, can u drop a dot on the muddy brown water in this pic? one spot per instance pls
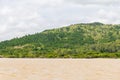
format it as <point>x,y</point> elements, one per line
<point>59,69</point>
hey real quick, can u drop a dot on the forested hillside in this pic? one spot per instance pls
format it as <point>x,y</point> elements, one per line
<point>85,40</point>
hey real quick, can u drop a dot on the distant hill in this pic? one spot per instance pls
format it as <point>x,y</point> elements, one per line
<point>84,40</point>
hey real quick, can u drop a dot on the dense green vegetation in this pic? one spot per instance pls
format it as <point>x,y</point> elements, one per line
<point>90,40</point>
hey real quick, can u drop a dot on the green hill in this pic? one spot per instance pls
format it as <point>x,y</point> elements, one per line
<point>85,40</point>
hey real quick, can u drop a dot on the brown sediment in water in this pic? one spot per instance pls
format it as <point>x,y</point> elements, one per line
<point>59,69</point>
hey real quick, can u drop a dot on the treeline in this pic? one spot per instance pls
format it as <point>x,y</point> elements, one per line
<point>90,40</point>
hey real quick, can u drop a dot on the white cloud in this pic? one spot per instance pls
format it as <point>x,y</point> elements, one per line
<point>20,17</point>
<point>95,2</point>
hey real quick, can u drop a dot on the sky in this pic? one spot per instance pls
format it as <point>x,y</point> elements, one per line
<point>22,17</point>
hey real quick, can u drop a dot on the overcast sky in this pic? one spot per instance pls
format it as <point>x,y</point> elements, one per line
<point>21,17</point>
